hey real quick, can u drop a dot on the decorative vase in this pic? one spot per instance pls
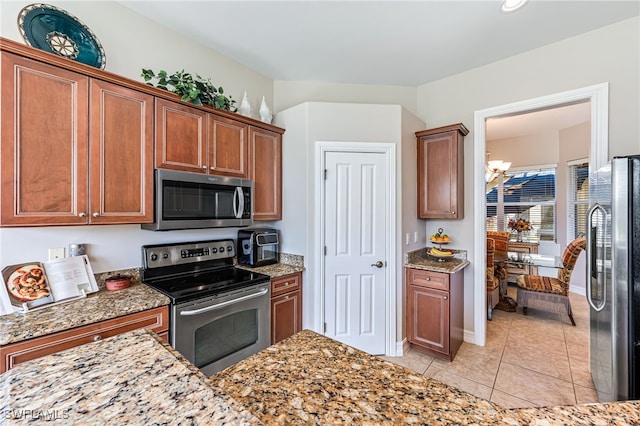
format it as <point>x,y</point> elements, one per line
<point>245,106</point>
<point>265,114</point>
<point>519,236</point>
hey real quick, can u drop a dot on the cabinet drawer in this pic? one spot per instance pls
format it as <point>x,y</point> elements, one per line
<point>154,319</point>
<point>436,280</point>
<point>285,284</point>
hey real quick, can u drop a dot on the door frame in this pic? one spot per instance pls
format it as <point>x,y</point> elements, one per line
<point>391,286</point>
<point>598,95</point>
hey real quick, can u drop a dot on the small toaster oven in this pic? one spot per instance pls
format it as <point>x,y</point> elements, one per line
<point>258,246</point>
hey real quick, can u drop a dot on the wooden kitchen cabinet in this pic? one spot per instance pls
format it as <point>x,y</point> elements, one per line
<point>435,312</point>
<point>75,150</point>
<point>156,319</point>
<point>190,139</point>
<point>265,169</point>
<point>228,147</point>
<point>441,172</point>
<point>181,137</point>
<point>286,306</point>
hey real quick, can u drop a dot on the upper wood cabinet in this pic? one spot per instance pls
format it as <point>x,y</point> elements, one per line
<point>441,172</point>
<point>57,127</point>
<point>265,169</point>
<point>228,147</point>
<point>77,144</point>
<point>181,137</point>
<point>193,140</point>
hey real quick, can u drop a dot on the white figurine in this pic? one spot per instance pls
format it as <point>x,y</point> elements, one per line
<point>265,114</point>
<point>245,107</point>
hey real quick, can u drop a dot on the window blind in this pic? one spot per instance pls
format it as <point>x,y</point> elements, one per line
<point>528,194</point>
<point>578,199</point>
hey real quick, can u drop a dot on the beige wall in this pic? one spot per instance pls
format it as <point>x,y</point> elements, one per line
<point>610,54</point>
<point>132,42</point>
<point>291,93</point>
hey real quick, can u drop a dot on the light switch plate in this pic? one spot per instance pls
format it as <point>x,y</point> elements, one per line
<point>56,253</point>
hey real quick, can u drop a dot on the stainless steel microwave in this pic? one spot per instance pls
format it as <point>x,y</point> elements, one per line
<point>185,200</point>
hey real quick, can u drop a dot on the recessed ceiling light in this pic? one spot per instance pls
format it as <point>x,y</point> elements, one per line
<point>511,5</point>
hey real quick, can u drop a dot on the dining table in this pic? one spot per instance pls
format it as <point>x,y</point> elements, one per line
<point>507,303</point>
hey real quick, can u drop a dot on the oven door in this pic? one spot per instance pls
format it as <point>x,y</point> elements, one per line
<point>217,332</point>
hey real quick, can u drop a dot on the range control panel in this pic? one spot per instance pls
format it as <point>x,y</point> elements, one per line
<point>161,255</point>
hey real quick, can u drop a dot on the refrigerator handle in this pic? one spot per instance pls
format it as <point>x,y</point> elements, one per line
<point>590,254</point>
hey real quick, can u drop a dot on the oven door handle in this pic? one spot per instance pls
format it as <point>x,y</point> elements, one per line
<point>227,303</point>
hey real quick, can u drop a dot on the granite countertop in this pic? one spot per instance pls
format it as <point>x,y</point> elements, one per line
<point>310,379</point>
<point>132,378</point>
<point>136,378</point>
<point>420,259</point>
<point>288,264</point>
<point>96,307</point>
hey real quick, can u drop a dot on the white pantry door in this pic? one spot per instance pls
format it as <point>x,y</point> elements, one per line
<point>355,237</point>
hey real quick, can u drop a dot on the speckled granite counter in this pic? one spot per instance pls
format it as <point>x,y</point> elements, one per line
<point>420,259</point>
<point>288,264</point>
<point>132,378</point>
<point>135,378</point>
<point>99,306</point>
<point>309,379</point>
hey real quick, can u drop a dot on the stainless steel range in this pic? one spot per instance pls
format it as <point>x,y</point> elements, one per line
<point>220,314</point>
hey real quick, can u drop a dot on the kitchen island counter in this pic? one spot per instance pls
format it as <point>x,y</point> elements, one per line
<point>135,378</point>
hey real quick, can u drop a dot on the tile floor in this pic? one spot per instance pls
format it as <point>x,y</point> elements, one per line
<point>528,361</point>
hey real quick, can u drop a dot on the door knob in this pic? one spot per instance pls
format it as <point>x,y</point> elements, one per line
<point>378,264</point>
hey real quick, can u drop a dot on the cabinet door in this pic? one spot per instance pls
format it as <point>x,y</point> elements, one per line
<point>43,144</point>
<point>265,152</point>
<point>155,319</point>
<point>286,315</point>
<point>121,146</point>
<point>428,318</point>
<point>181,138</point>
<point>440,189</point>
<point>228,147</point>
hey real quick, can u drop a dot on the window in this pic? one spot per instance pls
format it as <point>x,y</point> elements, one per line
<point>529,194</point>
<point>578,198</point>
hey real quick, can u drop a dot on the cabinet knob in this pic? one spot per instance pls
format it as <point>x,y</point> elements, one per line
<point>204,167</point>
<point>212,168</point>
<point>445,298</point>
<point>287,297</point>
<point>453,212</point>
<point>96,214</point>
<point>82,214</point>
<point>97,338</point>
<point>427,279</point>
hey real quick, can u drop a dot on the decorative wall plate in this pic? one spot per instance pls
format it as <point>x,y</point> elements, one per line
<point>56,31</point>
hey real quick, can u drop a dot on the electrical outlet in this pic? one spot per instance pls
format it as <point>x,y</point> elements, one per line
<point>407,238</point>
<point>56,253</point>
<point>415,237</point>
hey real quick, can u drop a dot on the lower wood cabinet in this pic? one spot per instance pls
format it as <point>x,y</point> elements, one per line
<point>286,306</point>
<point>156,319</point>
<point>435,312</point>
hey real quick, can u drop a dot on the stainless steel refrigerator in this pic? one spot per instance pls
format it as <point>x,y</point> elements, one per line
<point>613,278</point>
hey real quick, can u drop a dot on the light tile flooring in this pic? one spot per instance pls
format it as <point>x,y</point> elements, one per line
<point>528,361</point>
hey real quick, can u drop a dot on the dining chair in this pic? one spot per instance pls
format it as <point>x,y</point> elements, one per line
<point>493,283</point>
<point>549,293</point>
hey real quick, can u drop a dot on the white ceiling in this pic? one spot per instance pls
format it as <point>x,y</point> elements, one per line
<point>404,43</point>
<point>531,123</point>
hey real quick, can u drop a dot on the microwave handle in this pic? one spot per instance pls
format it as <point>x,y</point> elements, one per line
<point>238,202</point>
